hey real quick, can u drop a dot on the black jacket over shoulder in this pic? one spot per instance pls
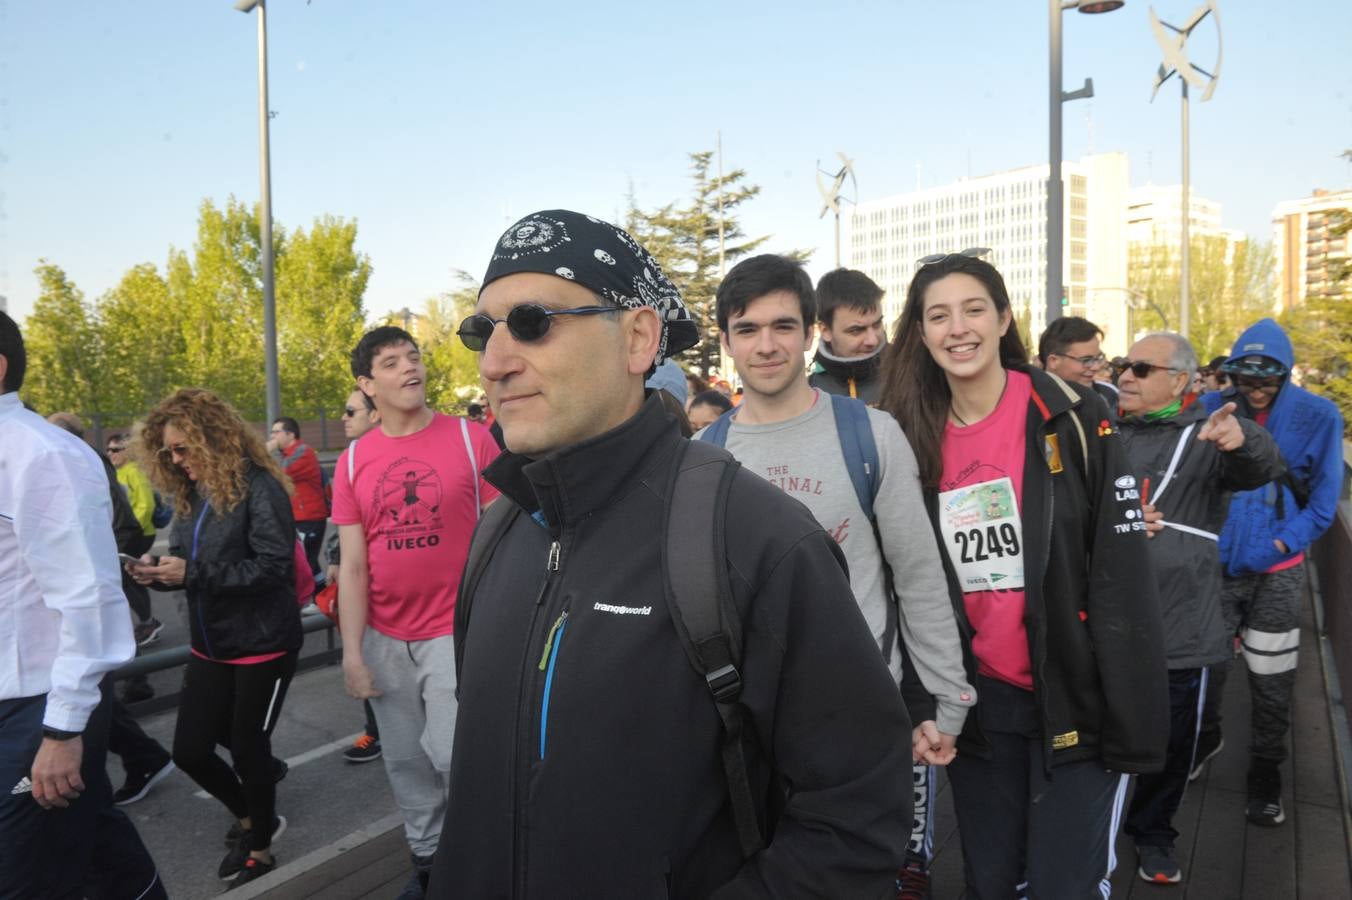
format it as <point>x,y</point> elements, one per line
<point>1092,611</point>
<point>587,749</point>
<point>241,579</point>
<point>1188,565</point>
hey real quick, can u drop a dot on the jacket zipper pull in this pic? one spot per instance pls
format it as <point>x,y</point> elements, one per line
<point>549,639</point>
<point>551,566</point>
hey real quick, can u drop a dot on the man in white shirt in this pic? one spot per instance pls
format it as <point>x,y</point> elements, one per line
<point>63,626</point>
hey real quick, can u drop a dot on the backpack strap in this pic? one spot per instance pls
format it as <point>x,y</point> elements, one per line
<point>717,432</point>
<point>858,447</point>
<point>699,595</point>
<point>473,464</point>
<point>493,524</point>
<point>1075,398</point>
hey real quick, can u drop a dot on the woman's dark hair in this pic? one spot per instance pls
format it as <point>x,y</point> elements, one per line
<point>676,410</point>
<point>717,399</point>
<point>914,387</point>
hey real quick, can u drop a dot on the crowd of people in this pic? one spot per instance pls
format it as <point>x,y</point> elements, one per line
<point>620,632</point>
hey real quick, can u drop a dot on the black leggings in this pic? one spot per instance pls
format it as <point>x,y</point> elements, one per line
<point>236,706</point>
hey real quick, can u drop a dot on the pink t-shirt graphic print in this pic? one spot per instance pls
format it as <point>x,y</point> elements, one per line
<point>414,497</point>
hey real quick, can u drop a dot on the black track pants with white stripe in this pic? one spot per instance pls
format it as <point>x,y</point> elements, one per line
<point>1265,611</point>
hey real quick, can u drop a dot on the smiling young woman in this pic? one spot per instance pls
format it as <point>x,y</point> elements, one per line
<point>1062,638</point>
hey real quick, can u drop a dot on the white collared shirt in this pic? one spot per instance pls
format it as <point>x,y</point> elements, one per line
<point>64,620</point>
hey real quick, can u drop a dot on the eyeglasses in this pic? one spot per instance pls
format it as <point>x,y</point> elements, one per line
<point>1088,362</point>
<point>116,449</point>
<point>527,322</point>
<point>348,412</point>
<point>1246,383</point>
<point>970,252</point>
<point>177,450</point>
<point>1140,369</point>
<point>278,430</point>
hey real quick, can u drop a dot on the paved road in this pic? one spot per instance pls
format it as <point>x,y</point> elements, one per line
<point>323,797</point>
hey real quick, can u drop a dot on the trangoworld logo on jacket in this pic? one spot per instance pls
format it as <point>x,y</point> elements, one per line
<point>408,497</point>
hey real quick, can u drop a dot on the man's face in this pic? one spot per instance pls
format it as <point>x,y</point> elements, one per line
<point>1260,392</point>
<point>767,341</point>
<point>852,333</point>
<point>284,438</point>
<point>582,378</point>
<point>398,379</point>
<point>357,420</point>
<point>1139,394</point>
<point>1080,362</point>
<point>702,415</point>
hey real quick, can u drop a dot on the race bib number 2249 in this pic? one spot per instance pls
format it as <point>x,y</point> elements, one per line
<point>983,535</point>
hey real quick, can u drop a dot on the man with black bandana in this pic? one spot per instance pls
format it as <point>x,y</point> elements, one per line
<point>851,335</point>
<point>587,756</point>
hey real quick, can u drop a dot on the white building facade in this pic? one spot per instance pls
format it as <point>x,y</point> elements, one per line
<point>1007,212</point>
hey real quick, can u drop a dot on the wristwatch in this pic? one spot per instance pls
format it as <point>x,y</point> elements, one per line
<point>57,734</point>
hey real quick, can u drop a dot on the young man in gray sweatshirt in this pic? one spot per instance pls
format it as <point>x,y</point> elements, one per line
<point>785,431</point>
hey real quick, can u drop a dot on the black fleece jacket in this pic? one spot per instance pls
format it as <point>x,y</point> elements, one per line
<point>1092,612</point>
<point>586,760</point>
<point>241,576</point>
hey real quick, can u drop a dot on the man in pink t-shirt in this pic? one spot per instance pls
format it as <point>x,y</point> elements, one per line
<point>406,497</point>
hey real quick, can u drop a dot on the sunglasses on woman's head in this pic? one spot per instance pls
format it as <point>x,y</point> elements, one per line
<point>527,322</point>
<point>970,252</point>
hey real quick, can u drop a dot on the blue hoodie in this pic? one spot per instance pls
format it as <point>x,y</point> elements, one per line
<point>1309,432</point>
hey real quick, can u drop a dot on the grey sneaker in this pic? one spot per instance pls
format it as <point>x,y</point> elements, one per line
<point>1158,865</point>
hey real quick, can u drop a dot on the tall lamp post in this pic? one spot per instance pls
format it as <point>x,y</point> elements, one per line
<point>1055,192</point>
<point>1174,48</point>
<point>274,387</point>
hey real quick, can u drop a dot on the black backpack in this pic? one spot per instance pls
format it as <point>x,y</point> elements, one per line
<point>699,596</point>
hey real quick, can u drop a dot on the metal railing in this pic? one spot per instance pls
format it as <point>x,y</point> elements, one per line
<point>173,657</point>
<point>1331,588</point>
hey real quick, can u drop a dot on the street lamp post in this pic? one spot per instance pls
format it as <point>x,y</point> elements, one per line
<point>274,388</point>
<point>1055,188</point>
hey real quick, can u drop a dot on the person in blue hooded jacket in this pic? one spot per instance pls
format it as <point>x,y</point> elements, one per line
<point>1263,547</point>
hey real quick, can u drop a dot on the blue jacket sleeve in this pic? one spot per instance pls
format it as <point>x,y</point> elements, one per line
<point>1325,461</point>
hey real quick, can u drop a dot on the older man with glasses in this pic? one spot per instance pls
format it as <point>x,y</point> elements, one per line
<point>1183,463</point>
<point>1263,549</point>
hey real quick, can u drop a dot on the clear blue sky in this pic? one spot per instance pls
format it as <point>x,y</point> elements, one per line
<point>434,124</point>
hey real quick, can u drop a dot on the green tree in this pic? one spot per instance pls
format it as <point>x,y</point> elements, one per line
<point>142,343</point>
<point>1321,331</point>
<point>452,368</point>
<point>219,300</point>
<point>321,283</point>
<point>684,241</point>
<point>1230,282</point>
<point>63,347</point>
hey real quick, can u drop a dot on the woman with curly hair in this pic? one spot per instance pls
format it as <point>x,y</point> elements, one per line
<point>232,553</point>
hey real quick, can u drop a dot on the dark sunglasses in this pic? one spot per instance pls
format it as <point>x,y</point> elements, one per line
<point>348,412</point>
<point>1246,383</point>
<point>527,322</point>
<point>116,449</point>
<point>970,252</point>
<point>171,452</point>
<point>1139,369</point>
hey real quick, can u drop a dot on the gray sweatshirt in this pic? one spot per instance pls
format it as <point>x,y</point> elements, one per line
<point>802,456</point>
